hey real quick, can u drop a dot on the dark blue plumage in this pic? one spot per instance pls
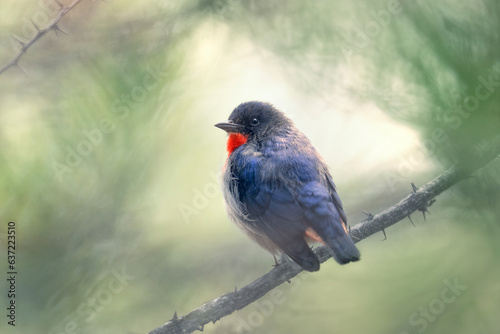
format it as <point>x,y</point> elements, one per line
<point>278,189</point>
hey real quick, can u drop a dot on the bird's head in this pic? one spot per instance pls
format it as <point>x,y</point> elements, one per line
<point>253,122</point>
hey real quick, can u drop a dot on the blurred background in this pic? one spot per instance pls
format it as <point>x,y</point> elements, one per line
<point>110,162</point>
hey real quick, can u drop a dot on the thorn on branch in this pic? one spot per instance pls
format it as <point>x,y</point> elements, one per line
<point>20,67</point>
<point>423,212</point>
<point>58,27</point>
<point>369,215</point>
<point>200,328</point>
<point>235,289</point>
<point>414,187</point>
<point>411,221</point>
<point>424,206</point>
<point>34,25</point>
<point>385,235</point>
<point>175,317</point>
<point>20,41</point>
<point>61,6</point>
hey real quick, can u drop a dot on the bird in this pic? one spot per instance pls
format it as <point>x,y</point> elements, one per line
<point>278,189</point>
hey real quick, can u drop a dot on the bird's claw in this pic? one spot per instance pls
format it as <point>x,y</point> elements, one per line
<point>353,236</point>
<point>276,263</point>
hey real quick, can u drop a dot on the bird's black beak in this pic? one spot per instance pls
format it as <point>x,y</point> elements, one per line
<point>230,127</point>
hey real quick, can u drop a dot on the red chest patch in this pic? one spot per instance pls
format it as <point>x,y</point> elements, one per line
<point>234,141</point>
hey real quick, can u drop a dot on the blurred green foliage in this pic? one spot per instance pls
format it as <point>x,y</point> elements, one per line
<point>110,162</point>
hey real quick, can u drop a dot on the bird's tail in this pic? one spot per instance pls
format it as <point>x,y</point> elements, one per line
<point>342,248</point>
<point>298,250</point>
<point>337,240</point>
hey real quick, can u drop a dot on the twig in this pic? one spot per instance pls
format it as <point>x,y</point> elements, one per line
<point>40,32</point>
<point>226,304</point>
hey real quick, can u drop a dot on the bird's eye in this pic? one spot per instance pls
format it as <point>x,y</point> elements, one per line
<point>254,121</point>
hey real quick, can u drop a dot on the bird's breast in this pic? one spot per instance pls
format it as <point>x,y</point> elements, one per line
<point>234,141</point>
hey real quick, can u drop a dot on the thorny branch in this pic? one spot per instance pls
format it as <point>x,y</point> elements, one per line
<point>40,32</point>
<point>418,200</point>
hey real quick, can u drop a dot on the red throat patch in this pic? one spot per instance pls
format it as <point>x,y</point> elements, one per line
<point>234,141</point>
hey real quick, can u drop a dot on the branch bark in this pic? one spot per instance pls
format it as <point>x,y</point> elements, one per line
<point>418,200</point>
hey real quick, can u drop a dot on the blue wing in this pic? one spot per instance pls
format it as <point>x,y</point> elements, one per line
<point>276,213</point>
<point>280,211</point>
<point>332,189</point>
<point>271,213</point>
